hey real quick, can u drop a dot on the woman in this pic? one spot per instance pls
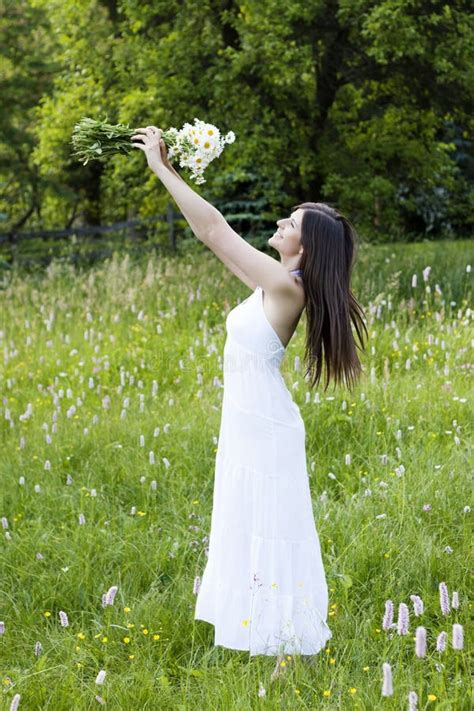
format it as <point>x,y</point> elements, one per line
<point>264,587</point>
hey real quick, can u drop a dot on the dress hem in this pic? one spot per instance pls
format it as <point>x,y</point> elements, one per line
<point>325,639</point>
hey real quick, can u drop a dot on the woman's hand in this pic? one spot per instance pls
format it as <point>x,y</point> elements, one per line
<point>149,140</point>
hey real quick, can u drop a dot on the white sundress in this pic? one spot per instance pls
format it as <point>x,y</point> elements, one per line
<point>263,587</point>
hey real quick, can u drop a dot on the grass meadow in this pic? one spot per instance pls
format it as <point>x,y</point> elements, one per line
<point>111,387</point>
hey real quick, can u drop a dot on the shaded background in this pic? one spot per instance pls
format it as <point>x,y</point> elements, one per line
<point>367,105</point>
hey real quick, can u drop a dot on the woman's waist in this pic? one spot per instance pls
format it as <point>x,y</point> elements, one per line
<point>245,351</point>
<point>274,405</point>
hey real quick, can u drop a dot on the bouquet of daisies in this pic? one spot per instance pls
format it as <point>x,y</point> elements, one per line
<point>195,146</point>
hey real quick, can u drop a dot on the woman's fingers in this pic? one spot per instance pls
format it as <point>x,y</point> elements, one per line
<point>149,130</point>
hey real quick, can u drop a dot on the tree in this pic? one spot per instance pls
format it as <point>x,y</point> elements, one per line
<point>367,105</point>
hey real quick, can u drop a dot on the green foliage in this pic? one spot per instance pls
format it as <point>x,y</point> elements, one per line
<point>366,105</point>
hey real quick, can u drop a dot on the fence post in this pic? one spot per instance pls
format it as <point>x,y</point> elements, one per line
<point>132,230</point>
<point>13,239</point>
<point>170,219</point>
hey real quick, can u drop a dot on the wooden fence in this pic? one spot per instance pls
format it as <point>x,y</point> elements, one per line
<point>136,230</point>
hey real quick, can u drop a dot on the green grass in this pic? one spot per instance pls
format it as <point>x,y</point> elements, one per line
<point>83,349</point>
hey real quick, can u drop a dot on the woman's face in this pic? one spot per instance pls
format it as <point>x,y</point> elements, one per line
<point>287,239</point>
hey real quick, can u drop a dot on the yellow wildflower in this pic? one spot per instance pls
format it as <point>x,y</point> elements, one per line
<point>126,610</point>
<point>326,693</point>
<point>81,635</point>
<point>432,697</point>
<point>126,640</point>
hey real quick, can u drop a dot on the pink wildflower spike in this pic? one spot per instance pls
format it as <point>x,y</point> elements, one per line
<point>387,688</point>
<point>2,628</point>
<point>417,604</point>
<point>100,677</point>
<point>420,643</point>
<point>455,601</point>
<point>197,584</point>
<point>104,600</point>
<point>388,616</point>
<point>412,701</point>
<point>403,617</point>
<point>15,702</point>
<point>110,595</point>
<point>63,619</point>
<point>458,636</point>
<point>261,690</point>
<point>441,641</point>
<point>444,598</point>
<point>38,648</point>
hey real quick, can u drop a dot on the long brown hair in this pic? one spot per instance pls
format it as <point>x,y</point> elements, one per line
<point>329,242</point>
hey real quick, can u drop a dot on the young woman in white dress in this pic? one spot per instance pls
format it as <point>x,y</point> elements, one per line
<point>264,587</point>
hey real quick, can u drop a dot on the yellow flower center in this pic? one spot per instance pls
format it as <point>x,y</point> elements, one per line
<point>210,132</point>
